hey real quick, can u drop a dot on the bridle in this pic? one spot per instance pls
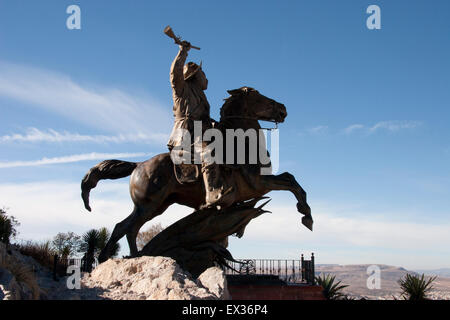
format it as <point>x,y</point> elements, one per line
<point>250,118</point>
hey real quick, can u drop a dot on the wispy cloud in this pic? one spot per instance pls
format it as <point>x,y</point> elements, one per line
<point>395,125</point>
<point>110,109</point>
<point>319,130</point>
<point>352,128</point>
<point>69,159</point>
<point>36,135</point>
<point>390,126</point>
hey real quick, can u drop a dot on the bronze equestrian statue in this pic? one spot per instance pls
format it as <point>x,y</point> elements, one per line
<point>154,185</point>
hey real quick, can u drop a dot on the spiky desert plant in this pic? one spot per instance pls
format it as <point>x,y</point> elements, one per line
<point>89,244</point>
<point>92,242</point>
<point>415,287</point>
<point>331,290</point>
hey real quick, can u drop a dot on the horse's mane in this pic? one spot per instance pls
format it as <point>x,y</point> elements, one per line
<point>236,95</point>
<point>229,102</point>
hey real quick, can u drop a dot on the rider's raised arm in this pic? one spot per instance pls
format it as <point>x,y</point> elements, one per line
<point>176,71</point>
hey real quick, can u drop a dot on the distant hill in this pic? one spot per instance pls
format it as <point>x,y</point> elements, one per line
<point>356,277</point>
<point>443,272</point>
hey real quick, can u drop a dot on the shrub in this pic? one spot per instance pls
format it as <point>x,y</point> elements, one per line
<point>415,287</point>
<point>8,227</point>
<point>331,290</point>
<point>39,251</point>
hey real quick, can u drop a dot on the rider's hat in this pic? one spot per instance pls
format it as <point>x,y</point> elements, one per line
<point>190,69</point>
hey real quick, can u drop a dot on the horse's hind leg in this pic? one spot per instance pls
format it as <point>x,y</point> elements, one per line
<point>133,231</point>
<point>119,231</point>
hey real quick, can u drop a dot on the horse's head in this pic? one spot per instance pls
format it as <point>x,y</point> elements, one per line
<point>247,102</point>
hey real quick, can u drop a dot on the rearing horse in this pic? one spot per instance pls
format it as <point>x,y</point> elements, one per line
<point>154,186</point>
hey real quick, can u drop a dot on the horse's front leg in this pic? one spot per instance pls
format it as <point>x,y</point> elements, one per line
<point>286,181</point>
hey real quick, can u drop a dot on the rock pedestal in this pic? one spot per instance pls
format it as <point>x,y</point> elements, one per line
<point>151,278</point>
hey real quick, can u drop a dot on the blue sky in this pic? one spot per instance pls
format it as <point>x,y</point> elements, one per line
<point>366,135</point>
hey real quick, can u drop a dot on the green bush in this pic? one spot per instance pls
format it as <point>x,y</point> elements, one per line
<point>8,227</point>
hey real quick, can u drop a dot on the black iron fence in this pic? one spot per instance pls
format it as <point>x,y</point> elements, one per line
<point>289,270</point>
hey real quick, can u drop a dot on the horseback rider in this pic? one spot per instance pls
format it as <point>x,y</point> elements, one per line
<point>190,104</point>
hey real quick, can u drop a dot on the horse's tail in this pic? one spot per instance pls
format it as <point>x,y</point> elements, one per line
<point>108,169</point>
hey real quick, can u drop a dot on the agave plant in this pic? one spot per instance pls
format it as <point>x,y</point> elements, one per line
<point>92,242</point>
<point>331,290</point>
<point>415,287</point>
<point>89,244</point>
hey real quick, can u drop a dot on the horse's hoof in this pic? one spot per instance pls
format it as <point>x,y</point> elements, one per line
<point>308,222</point>
<point>85,197</point>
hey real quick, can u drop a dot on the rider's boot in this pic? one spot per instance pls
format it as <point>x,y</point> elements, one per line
<point>217,192</point>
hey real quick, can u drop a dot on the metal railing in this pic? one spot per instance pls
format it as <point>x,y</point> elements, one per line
<point>289,270</point>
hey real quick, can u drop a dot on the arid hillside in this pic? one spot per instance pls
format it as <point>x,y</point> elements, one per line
<point>356,277</point>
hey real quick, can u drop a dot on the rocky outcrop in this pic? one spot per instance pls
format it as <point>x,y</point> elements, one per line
<point>17,279</point>
<point>151,278</point>
<point>214,279</point>
<point>144,278</point>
